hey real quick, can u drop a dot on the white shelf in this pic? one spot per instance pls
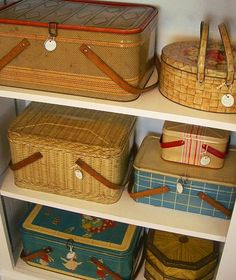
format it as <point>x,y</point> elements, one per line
<point>128,211</point>
<point>23,271</point>
<point>151,105</point>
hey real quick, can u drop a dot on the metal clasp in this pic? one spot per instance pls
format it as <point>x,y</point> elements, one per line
<point>52,29</point>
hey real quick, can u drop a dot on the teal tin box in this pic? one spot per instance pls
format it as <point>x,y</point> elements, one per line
<point>184,187</point>
<point>79,245</point>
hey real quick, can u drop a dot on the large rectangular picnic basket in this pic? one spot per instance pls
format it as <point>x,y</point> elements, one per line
<point>79,245</point>
<point>90,48</point>
<point>73,152</point>
<point>183,187</point>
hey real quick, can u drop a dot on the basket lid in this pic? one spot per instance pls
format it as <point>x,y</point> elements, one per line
<point>85,131</point>
<point>84,230</point>
<point>83,15</point>
<point>209,135</point>
<point>189,252</point>
<point>149,159</point>
<point>184,56</point>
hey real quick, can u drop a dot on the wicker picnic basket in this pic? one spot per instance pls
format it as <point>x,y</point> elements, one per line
<point>200,76</point>
<point>73,152</point>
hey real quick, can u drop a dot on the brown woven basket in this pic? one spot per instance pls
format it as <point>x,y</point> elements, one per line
<point>73,152</point>
<point>198,75</point>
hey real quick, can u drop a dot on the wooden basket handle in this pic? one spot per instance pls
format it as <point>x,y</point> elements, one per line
<point>204,31</point>
<point>108,71</point>
<point>24,162</point>
<point>151,192</point>
<point>92,172</point>
<point>215,204</point>
<point>229,54</point>
<point>13,53</point>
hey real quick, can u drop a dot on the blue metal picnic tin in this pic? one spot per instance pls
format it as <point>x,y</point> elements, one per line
<point>79,245</point>
<point>184,187</point>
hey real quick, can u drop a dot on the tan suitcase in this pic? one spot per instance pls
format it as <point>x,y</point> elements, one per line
<point>192,144</point>
<point>171,256</point>
<point>73,152</point>
<point>90,48</point>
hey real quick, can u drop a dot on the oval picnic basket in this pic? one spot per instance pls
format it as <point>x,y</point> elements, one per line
<point>200,75</point>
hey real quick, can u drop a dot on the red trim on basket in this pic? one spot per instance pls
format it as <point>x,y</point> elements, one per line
<point>90,28</point>
<point>213,151</point>
<point>171,144</point>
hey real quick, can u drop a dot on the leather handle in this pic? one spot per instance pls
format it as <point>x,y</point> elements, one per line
<point>215,204</point>
<point>13,53</point>
<point>171,144</point>
<point>30,159</point>
<point>100,265</point>
<point>228,53</point>
<point>107,70</point>
<point>92,172</point>
<point>38,254</point>
<point>214,151</point>
<point>160,190</point>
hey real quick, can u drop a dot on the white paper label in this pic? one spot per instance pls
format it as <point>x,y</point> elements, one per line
<point>50,45</point>
<point>179,187</point>
<point>227,100</point>
<point>79,174</point>
<point>205,160</point>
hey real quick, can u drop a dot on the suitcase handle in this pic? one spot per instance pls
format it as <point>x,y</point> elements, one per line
<point>13,53</point>
<point>160,190</point>
<point>38,254</point>
<point>24,162</point>
<point>215,204</point>
<point>92,172</point>
<point>107,70</point>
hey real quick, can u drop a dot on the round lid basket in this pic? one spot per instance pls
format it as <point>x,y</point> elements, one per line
<point>200,75</point>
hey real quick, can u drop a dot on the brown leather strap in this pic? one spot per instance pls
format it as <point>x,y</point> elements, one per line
<point>14,52</point>
<point>38,254</point>
<point>107,70</point>
<point>30,159</point>
<point>215,204</point>
<point>83,165</point>
<point>151,192</point>
<point>100,265</point>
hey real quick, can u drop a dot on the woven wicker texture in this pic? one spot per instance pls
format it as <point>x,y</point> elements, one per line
<point>63,135</point>
<point>193,258</point>
<point>197,144</point>
<point>183,81</point>
<point>66,69</point>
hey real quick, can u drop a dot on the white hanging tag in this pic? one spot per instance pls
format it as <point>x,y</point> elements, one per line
<point>50,44</point>
<point>179,187</point>
<point>205,160</point>
<point>227,100</point>
<point>79,174</point>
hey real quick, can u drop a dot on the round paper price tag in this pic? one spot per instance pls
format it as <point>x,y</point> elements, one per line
<point>227,100</point>
<point>50,45</point>
<point>205,160</point>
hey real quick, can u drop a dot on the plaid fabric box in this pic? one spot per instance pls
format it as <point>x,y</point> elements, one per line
<point>183,187</point>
